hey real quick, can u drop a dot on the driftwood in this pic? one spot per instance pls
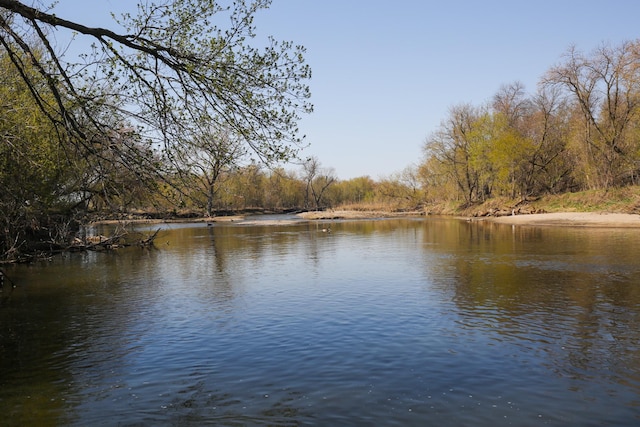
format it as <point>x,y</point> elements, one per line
<point>523,210</point>
<point>102,243</point>
<point>43,242</point>
<point>149,240</point>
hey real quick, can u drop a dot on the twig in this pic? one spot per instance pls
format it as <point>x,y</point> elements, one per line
<point>149,240</point>
<point>3,275</point>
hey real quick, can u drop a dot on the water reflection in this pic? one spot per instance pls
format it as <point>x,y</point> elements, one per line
<point>395,322</point>
<point>568,297</point>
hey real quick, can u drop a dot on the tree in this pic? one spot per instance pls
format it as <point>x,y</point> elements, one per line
<point>135,95</point>
<point>512,102</point>
<point>435,179</point>
<point>451,147</point>
<point>317,180</point>
<point>500,154</point>
<point>245,188</point>
<point>33,179</point>
<point>359,190</point>
<point>173,64</point>
<point>512,143</point>
<point>605,89</point>
<point>550,168</point>
<point>206,160</point>
<point>401,190</point>
<point>283,190</point>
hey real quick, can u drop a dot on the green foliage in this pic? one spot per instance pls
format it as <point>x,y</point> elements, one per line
<point>34,179</point>
<point>579,131</point>
<point>117,129</point>
<point>202,69</point>
<point>360,190</point>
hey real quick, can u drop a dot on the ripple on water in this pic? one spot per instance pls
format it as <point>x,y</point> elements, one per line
<point>393,323</point>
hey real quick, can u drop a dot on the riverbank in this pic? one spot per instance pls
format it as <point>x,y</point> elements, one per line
<point>614,208</point>
<point>570,219</point>
<point>594,208</point>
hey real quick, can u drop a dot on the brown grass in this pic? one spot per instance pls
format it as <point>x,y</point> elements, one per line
<point>372,206</point>
<point>616,200</point>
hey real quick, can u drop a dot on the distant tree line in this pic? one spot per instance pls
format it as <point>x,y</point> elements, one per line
<point>255,187</point>
<point>580,130</point>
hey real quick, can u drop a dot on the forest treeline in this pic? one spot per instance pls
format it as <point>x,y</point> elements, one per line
<point>64,156</point>
<point>580,130</point>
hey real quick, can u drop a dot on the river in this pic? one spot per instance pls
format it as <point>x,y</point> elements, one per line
<point>400,322</point>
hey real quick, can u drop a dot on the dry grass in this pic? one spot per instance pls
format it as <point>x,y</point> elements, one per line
<point>617,200</point>
<point>369,207</point>
<point>620,200</point>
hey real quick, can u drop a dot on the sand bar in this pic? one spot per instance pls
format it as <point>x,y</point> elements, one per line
<point>573,219</point>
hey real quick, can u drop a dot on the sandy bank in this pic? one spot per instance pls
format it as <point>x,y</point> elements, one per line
<point>567,219</point>
<point>573,219</point>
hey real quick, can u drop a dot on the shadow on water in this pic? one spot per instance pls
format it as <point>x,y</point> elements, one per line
<point>394,322</point>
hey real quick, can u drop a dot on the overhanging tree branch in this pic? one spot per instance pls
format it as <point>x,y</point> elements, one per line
<point>173,64</point>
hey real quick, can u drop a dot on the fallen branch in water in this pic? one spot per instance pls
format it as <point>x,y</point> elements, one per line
<point>149,240</point>
<point>102,243</point>
<point>96,243</point>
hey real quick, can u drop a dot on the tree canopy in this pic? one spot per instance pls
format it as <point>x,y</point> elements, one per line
<point>122,112</point>
<point>178,62</point>
<point>579,131</point>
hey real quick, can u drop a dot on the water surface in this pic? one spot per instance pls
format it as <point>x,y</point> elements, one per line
<point>390,322</point>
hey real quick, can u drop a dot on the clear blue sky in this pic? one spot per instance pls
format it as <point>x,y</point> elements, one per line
<point>385,73</point>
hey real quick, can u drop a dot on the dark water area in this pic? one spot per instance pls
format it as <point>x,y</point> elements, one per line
<point>404,322</point>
